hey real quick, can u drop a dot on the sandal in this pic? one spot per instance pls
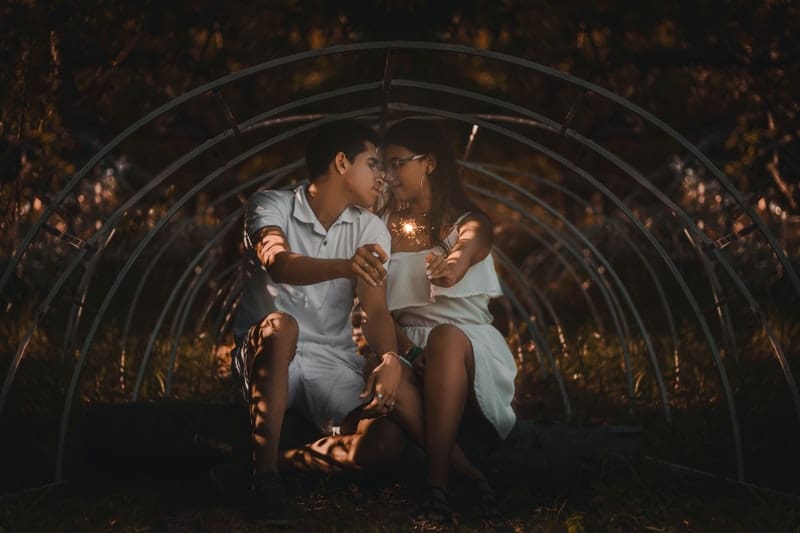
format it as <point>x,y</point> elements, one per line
<point>435,509</point>
<point>485,499</point>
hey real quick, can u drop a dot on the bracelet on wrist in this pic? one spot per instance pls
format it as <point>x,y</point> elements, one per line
<point>412,353</point>
<point>383,357</point>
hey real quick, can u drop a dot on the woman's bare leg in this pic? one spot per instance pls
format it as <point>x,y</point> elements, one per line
<point>410,415</point>
<point>448,371</point>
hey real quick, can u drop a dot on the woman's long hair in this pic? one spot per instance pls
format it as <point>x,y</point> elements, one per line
<point>448,197</point>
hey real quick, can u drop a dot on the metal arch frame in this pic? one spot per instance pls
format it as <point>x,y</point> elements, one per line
<point>161,318</point>
<point>209,143</point>
<point>630,171</point>
<point>534,329</point>
<point>554,126</point>
<point>568,164</point>
<point>184,315</point>
<point>226,225</point>
<point>56,287</point>
<point>271,177</point>
<point>612,223</point>
<point>532,291</point>
<point>574,275</point>
<point>216,295</point>
<point>615,309</point>
<point>406,45</point>
<point>228,302</point>
<point>76,312</point>
<point>137,294</point>
<point>284,169</point>
<point>178,204</point>
<point>181,315</point>
<point>536,333</point>
<point>110,223</point>
<point>131,201</point>
<point>629,302</point>
<point>226,272</point>
<point>613,304</point>
<point>295,103</point>
<point>279,173</point>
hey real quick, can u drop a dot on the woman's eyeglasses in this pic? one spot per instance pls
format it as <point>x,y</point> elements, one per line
<point>397,163</point>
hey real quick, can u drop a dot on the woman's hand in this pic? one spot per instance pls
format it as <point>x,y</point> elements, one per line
<point>444,270</point>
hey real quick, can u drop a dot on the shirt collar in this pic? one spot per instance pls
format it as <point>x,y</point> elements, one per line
<point>302,211</point>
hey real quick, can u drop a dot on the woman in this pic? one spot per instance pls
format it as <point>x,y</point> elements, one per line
<point>440,281</point>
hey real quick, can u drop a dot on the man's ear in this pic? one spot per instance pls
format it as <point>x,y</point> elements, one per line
<point>340,163</point>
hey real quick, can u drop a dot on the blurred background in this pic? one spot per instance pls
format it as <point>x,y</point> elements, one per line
<point>724,75</point>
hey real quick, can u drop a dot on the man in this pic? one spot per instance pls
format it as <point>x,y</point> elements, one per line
<point>318,246</point>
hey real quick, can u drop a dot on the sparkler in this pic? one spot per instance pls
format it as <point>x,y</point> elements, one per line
<point>407,228</point>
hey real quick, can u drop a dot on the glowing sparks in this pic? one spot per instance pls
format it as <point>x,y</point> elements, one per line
<point>408,228</point>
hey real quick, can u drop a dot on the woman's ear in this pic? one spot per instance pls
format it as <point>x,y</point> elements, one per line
<point>430,164</point>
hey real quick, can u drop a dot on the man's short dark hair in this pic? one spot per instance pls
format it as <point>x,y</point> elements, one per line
<point>346,136</point>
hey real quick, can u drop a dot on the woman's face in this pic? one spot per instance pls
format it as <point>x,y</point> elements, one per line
<point>406,172</point>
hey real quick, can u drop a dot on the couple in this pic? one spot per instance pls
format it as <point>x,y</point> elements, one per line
<point>318,246</point>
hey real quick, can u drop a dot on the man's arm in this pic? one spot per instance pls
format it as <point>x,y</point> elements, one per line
<point>285,266</point>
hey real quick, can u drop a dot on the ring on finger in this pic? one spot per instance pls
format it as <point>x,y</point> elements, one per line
<point>379,395</point>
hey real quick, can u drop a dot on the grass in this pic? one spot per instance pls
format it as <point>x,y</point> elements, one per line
<point>648,497</point>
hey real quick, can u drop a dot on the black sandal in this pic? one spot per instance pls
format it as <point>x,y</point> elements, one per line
<point>485,499</point>
<point>435,509</point>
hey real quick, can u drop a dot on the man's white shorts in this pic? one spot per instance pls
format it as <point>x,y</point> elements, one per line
<point>324,382</point>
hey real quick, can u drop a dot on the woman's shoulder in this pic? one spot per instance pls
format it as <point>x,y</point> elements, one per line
<point>462,217</point>
<point>458,219</point>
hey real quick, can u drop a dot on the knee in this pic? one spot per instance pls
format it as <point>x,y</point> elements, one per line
<point>283,324</point>
<point>275,326</point>
<point>446,340</point>
<point>384,444</point>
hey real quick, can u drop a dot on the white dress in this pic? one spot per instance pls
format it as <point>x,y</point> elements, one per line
<point>417,306</point>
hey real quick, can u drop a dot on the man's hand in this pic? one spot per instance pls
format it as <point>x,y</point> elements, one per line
<point>444,270</point>
<point>367,264</point>
<point>382,385</point>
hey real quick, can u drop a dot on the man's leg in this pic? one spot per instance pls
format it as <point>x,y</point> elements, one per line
<point>272,342</point>
<point>333,393</point>
<point>374,444</point>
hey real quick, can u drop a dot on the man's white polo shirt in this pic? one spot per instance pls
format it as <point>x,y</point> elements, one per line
<point>322,310</point>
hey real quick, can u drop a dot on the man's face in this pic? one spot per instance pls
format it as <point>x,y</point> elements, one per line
<point>364,177</point>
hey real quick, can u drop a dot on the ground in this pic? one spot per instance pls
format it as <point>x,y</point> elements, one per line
<point>644,497</point>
